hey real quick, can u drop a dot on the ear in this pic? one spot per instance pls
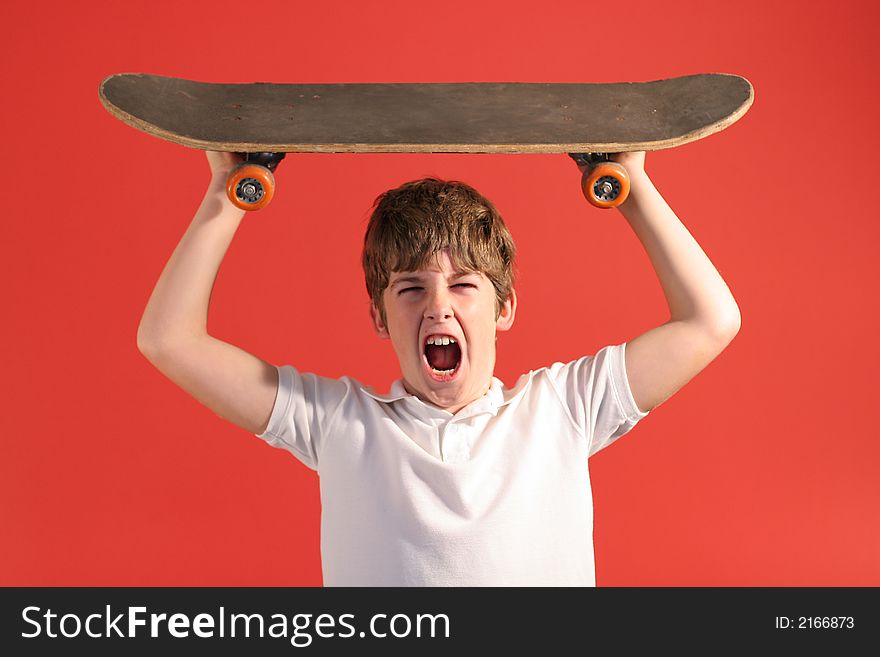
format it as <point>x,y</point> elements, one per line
<point>378,324</point>
<point>508,313</point>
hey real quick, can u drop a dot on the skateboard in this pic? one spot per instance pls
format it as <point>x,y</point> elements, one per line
<point>589,121</point>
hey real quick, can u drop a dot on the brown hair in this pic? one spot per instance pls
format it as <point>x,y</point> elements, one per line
<point>412,223</point>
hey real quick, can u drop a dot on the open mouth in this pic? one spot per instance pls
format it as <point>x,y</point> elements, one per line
<point>442,357</point>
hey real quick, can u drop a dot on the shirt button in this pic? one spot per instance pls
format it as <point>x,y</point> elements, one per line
<point>455,447</point>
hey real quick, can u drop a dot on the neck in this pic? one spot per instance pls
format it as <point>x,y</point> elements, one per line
<point>454,408</point>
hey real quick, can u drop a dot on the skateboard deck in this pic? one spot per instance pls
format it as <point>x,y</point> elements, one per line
<point>586,120</point>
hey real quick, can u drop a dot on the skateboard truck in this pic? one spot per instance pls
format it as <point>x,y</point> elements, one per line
<point>251,185</point>
<point>605,183</point>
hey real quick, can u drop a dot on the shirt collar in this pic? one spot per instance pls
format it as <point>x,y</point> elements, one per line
<point>495,398</point>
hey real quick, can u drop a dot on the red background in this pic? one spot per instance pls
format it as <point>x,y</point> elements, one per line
<point>761,471</point>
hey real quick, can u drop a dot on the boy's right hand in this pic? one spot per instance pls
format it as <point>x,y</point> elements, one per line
<point>222,164</point>
<point>173,334</point>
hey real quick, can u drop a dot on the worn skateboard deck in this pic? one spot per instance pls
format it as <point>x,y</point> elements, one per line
<point>472,117</point>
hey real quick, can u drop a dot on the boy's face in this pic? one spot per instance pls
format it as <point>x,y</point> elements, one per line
<point>440,302</point>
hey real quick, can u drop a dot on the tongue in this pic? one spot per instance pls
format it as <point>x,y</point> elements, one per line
<point>443,357</point>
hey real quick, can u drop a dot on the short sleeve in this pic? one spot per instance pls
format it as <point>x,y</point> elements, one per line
<point>304,409</point>
<point>596,391</point>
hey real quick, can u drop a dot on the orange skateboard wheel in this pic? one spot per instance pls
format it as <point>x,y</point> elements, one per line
<point>250,186</point>
<point>605,185</point>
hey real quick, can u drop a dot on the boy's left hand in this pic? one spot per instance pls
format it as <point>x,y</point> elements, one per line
<point>633,162</point>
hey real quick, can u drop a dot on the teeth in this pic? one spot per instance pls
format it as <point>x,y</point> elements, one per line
<point>442,372</point>
<point>440,340</point>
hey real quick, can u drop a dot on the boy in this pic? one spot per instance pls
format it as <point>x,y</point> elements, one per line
<point>452,478</point>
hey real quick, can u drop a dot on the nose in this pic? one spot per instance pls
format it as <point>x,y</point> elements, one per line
<point>439,305</point>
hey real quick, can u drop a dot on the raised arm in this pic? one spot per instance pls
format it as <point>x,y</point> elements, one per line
<point>173,334</point>
<point>704,316</point>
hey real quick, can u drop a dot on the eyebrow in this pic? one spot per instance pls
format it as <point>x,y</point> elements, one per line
<point>418,279</point>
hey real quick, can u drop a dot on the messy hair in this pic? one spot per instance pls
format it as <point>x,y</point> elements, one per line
<point>414,222</point>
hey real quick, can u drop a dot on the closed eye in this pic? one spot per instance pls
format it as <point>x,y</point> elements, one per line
<point>409,289</point>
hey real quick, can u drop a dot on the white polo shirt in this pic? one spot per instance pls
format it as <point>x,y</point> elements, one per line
<point>497,494</point>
